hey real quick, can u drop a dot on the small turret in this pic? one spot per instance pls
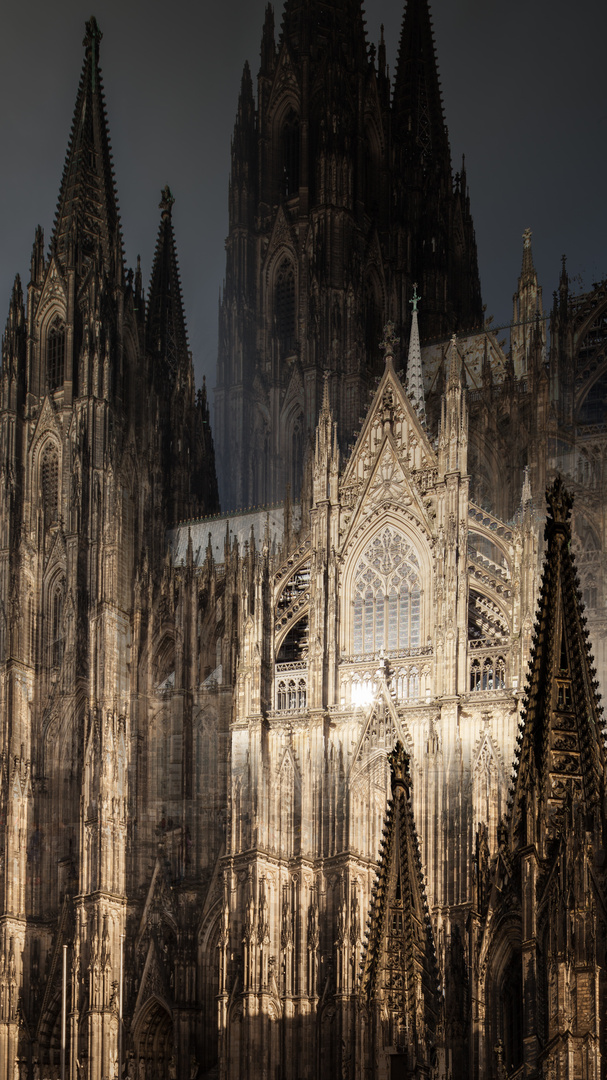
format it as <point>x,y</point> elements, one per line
<point>37,265</point>
<point>268,43</point>
<point>415,379</point>
<point>453,431</point>
<point>166,335</point>
<point>527,310</point>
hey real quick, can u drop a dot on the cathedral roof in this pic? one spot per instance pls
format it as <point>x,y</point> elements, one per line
<point>562,751</point>
<point>166,335</point>
<point>87,223</point>
<point>399,960</point>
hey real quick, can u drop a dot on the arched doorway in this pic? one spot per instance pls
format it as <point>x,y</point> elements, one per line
<point>153,1043</point>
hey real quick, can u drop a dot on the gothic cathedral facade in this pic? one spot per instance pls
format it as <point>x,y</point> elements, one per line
<point>314,788</point>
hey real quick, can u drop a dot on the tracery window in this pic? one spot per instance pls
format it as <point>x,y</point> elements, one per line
<point>289,143</point>
<point>50,486</point>
<point>488,674</point>
<point>292,694</point>
<point>590,593</point>
<point>284,307</point>
<point>57,627</point>
<point>55,354</point>
<point>387,596</point>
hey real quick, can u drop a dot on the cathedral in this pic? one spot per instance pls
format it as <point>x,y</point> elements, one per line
<point>313,785</point>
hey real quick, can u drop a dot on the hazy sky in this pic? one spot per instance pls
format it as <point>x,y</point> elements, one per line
<point>525,96</point>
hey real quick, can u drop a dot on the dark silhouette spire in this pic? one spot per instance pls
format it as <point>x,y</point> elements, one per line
<point>166,335</point>
<point>399,965</point>
<point>268,44</point>
<point>562,752</point>
<point>417,105</point>
<point>87,223</point>
<point>14,338</point>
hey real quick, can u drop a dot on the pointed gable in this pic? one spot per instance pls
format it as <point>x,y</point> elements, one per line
<point>562,752</point>
<point>399,975</point>
<point>391,412</point>
<point>391,454</point>
<point>87,225</point>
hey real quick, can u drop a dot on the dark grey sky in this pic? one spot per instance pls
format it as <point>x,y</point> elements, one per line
<point>524,87</point>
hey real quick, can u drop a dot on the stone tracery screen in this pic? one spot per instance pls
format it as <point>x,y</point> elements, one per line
<point>387,596</point>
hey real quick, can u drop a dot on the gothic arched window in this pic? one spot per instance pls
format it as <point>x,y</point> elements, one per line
<point>50,486</point>
<point>289,155</point>
<point>55,354</point>
<point>387,596</point>
<point>56,626</point>
<point>296,457</point>
<point>284,307</point>
<point>373,325</point>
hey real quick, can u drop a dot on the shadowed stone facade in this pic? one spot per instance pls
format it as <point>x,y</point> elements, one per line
<point>255,767</point>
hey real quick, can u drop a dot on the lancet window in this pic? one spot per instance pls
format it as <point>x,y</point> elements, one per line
<point>284,307</point>
<point>50,486</point>
<point>55,354</point>
<point>289,142</point>
<point>57,626</point>
<point>387,597</point>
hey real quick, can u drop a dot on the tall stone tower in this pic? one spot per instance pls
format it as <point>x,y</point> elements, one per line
<point>91,394</point>
<point>341,198</point>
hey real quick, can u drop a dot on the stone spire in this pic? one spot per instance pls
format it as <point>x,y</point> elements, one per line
<point>166,335</point>
<point>87,223</point>
<point>417,105</point>
<point>562,753</point>
<point>399,965</point>
<point>528,314</point>
<point>415,381</point>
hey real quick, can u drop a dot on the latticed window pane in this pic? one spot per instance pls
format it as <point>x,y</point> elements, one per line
<point>387,596</point>
<point>415,616</point>
<point>292,695</point>
<point>368,643</point>
<point>358,626</point>
<point>50,486</point>
<point>55,355</point>
<point>393,605</point>
<point>403,621</point>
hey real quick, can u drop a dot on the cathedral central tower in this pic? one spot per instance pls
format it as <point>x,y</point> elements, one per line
<point>341,197</point>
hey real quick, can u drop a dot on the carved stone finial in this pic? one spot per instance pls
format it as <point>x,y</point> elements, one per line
<point>527,237</point>
<point>166,200</point>
<point>415,299</point>
<point>389,340</point>
<point>399,763</point>
<point>92,32</point>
